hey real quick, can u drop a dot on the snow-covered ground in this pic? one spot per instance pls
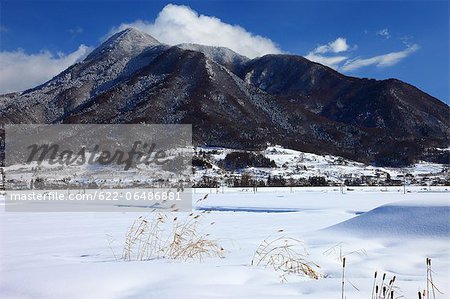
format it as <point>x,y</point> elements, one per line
<point>72,255</point>
<point>289,165</point>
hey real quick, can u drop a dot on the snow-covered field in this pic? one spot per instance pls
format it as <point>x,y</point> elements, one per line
<point>72,255</point>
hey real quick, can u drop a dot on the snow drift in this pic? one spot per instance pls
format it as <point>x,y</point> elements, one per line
<point>416,218</point>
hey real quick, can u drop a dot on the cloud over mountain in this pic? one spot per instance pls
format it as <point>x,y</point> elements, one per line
<point>384,60</point>
<point>178,24</point>
<point>332,55</point>
<point>19,70</point>
<point>337,46</point>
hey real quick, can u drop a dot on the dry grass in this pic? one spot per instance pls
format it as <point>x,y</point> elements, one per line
<point>171,238</point>
<point>337,252</point>
<point>285,255</point>
<point>383,289</point>
<point>431,290</point>
<point>387,289</point>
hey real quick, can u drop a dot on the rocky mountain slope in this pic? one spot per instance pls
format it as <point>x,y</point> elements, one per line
<point>232,101</point>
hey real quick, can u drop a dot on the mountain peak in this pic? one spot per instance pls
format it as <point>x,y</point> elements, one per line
<point>213,52</point>
<point>224,56</point>
<point>136,34</point>
<point>128,42</point>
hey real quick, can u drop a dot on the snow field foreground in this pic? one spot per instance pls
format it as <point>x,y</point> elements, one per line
<point>74,255</point>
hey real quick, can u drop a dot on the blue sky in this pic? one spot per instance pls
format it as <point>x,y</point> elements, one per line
<point>408,40</point>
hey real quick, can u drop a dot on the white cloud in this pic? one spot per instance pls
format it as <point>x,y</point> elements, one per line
<point>327,55</point>
<point>331,61</point>
<point>178,24</point>
<point>337,46</point>
<point>19,70</point>
<point>381,60</point>
<point>174,25</point>
<point>384,33</point>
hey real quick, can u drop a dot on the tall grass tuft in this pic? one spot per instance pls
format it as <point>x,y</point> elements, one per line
<point>285,255</point>
<point>383,289</point>
<point>161,237</point>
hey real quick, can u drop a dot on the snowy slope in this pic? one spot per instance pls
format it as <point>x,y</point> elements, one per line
<point>419,218</point>
<point>221,55</point>
<point>296,164</point>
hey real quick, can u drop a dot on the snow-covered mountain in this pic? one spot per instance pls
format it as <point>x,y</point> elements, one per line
<point>235,102</point>
<point>223,56</point>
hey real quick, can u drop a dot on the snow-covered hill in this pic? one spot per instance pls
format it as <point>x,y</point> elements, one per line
<point>294,166</point>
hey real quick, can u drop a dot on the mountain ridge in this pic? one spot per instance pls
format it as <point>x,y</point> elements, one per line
<point>237,102</point>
